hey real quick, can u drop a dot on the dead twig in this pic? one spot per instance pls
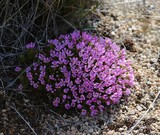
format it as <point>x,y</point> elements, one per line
<point>151,105</point>
<point>23,119</point>
<point>14,14</point>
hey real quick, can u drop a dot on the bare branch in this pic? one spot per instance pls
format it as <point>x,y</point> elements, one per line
<point>151,105</point>
<point>23,119</point>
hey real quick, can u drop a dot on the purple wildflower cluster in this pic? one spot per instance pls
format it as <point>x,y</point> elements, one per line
<point>82,71</point>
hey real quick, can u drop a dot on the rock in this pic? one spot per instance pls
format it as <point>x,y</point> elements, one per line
<point>113,33</point>
<point>141,134</point>
<point>73,132</point>
<point>90,130</point>
<point>111,132</point>
<point>132,112</point>
<point>26,100</point>
<point>153,132</point>
<point>153,60</point>
<point>73,128</point>
<point>151,7</point>
<point>135,131</point>
<point>22,129</point>
<point>68,132</point>
<point>64,116</point>
<point>143,57</point>
<point>149,83</point>
<point>134,28</point>
<point>139,108</point>
<point>121,129</point>
<point>102,126</point>
<point>152,94</point>
<point>86,123</point>
<point>104,133</point>
<point>76,118</point>
<point>4,110</point>
<point>117,133</point>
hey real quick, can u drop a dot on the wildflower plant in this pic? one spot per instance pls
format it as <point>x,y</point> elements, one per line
<point>80,71</point>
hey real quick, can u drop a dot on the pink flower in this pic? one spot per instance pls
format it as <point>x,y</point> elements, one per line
<point>20,87</point>
<point>30,45</point>
<point>83,112</point>
<point>17,69</point>
<point>128,92</point>
<point>67,106</point>
<point>81,71</point>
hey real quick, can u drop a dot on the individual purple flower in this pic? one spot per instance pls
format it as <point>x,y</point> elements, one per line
<point>30,45</point>
<point>83,112</point>
<point>64,97</point>
<point>128,92</point>
<point>17,69</point>
<point>89,95</point>
<point>115,98</point>
<point>29,76</point>
<point>35,85</point>
<point>88,102</point>
<point>56,101</point>
<point>65,90</point>
<point>20,87</point>
<point>78,81</point>
<point>82,97</point>
<point>92,107</point>
<point>28,69</point>
<point>48,87</point>
<point>101,108</point>
<point>108,102</point>
<point>51,77</point>
<point>73,104</point>
<point>94,112</point>
<point>105,97</point>
<point>79,106</point>
<point>67,106</point>
<point>99,102</point>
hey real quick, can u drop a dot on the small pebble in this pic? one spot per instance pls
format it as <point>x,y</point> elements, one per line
<point>104,133</point>
<point>4,110</point>
<point>139,108</point>
<point>111,132</point>
<point>135,131</point>
<point>121,129</point>
<point>90,130</point>
<point>73,128</point>
<point>86,123</point>
<point>132,112</point>
<point>64,116</point>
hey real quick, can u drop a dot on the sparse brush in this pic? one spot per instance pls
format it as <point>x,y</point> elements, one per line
<point>23,21</point>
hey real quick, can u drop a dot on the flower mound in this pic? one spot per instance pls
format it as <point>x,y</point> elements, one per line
<point>82,71</point>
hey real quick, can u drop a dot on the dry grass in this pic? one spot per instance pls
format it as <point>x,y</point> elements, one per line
<point>24,21</point>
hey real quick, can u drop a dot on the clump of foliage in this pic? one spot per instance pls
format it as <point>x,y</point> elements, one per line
<point>79,71</point>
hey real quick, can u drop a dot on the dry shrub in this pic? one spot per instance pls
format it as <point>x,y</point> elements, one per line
<point>23,21</point>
